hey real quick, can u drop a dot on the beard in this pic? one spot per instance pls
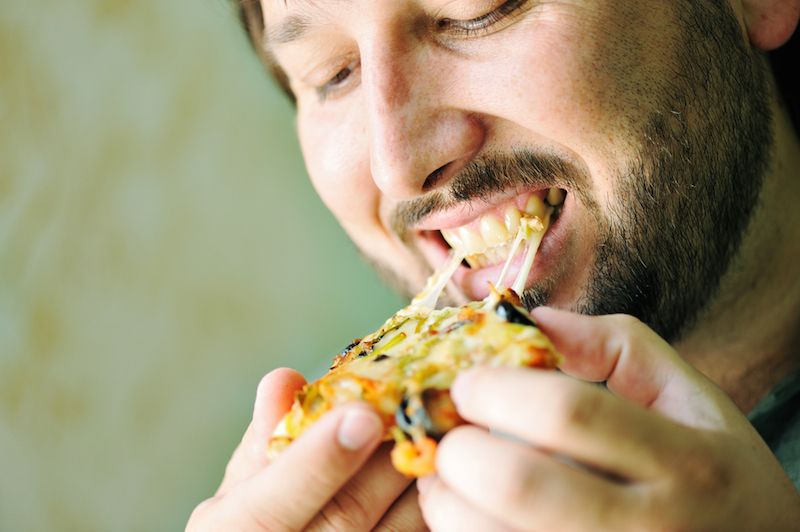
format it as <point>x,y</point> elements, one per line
<point>685,197</point>
<point>691,191</point>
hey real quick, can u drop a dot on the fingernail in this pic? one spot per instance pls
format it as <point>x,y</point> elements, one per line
<point>359,428</point>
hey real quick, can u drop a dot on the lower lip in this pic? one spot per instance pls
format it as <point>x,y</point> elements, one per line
<point>474,283</point>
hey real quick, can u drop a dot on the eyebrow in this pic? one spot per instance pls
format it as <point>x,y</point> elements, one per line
<point>292,28</point>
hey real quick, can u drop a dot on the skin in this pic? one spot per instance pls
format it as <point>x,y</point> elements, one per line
<point>667,445</point>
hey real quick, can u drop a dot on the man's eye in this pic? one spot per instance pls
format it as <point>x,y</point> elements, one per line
<point>483,24</point>
<point>338,82</point>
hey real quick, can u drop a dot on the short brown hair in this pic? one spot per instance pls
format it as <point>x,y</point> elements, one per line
<point>252,19</point>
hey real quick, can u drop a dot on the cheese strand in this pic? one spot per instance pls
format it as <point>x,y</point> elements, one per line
<point>535,236</point>
<point>514,248</point>
<point>433,289</point>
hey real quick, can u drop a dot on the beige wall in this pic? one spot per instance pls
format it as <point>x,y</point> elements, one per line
<point>160,249</point>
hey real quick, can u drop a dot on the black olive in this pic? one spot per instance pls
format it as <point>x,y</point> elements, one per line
<point>417,417</point>
<point>512,314</point>
<point>401,417</point>
<point>350,346</point>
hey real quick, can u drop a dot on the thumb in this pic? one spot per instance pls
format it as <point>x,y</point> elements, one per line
<point>636,364</point>
<point>274,397</point>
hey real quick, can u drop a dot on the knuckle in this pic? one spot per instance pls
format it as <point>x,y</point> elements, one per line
<point>627,322</point>
<point>631,328</point>
<point>578,410</point>
<point>231,467</point>
<point>707,473</point>
<point>517,487</point>
<point>255,517</point>
<point>202,517</point>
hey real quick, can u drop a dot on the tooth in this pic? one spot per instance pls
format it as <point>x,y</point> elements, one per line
<point>493,231</point>
<point>511,217</point>
<point>472,241</point>
<point>452,238</point>
<point>535,206</point>
<point>475,261</point>
<point>504,250</point>
<point>555,196</point>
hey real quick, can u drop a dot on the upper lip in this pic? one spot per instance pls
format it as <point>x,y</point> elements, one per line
<point>466,212</point>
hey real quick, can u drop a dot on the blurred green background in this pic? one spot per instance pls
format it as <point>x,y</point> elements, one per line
<point>160,250</point>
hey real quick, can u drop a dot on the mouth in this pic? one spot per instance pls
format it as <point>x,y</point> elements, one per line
<point>484,235</point>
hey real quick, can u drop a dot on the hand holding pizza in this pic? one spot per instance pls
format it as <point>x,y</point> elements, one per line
<point>666,449</point>
<point>332,478</point>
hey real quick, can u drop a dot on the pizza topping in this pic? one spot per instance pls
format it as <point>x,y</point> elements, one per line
<point>350,346</point>
<point>421,350</point>
<point>512,314</point>
<point>415,459</point>
<point>412,418</point>
<point>441,411</point>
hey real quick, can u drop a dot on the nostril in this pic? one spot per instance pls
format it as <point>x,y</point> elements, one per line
<point>433,179</point>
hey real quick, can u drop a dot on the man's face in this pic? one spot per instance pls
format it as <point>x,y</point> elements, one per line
<point>417,116</point>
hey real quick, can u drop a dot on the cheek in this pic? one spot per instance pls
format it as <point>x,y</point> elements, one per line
<point>588,81</point>
<point>338,165</point>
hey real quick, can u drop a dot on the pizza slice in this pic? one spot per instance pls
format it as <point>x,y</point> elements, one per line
<point>405,368</point>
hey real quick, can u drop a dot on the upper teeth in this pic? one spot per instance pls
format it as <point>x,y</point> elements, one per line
<point>488,240</point>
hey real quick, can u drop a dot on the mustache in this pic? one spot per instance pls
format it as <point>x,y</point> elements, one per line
<point>486,176</point>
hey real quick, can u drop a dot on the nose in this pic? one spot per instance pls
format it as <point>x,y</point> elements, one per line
<point>417,140</point>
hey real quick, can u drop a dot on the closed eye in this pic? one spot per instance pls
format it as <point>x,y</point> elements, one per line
<point>338,82</point>
<point>483,24</point>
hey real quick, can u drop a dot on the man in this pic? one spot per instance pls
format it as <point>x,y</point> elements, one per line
<point>662,127</point>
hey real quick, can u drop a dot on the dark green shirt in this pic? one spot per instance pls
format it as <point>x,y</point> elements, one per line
<point>777,419</point>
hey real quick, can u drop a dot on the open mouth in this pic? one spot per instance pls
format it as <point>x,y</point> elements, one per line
<point>497,241</point>
<point>488,239</point>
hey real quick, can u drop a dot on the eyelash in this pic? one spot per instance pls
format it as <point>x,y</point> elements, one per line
<point>475,27</point>
<point>480,25</point>
<point>337,82</point>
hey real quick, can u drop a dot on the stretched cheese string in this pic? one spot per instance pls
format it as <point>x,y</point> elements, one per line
<point>535,236</point>
<point>521,235</point>
<point>530,229</point>
<point>433,289</point>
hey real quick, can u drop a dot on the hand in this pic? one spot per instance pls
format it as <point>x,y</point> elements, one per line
<point>664,450</point>
<point>331,478</point>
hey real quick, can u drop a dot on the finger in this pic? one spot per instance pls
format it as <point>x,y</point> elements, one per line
<point>274,397</point>
<point>636,364</point>
<point>404,514</point>
<point>524,488</point>
<point>569,417</point>
<point>361,503</point>
<point>617,349</point>
<point>444,510</point>
<point>296,486</point>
